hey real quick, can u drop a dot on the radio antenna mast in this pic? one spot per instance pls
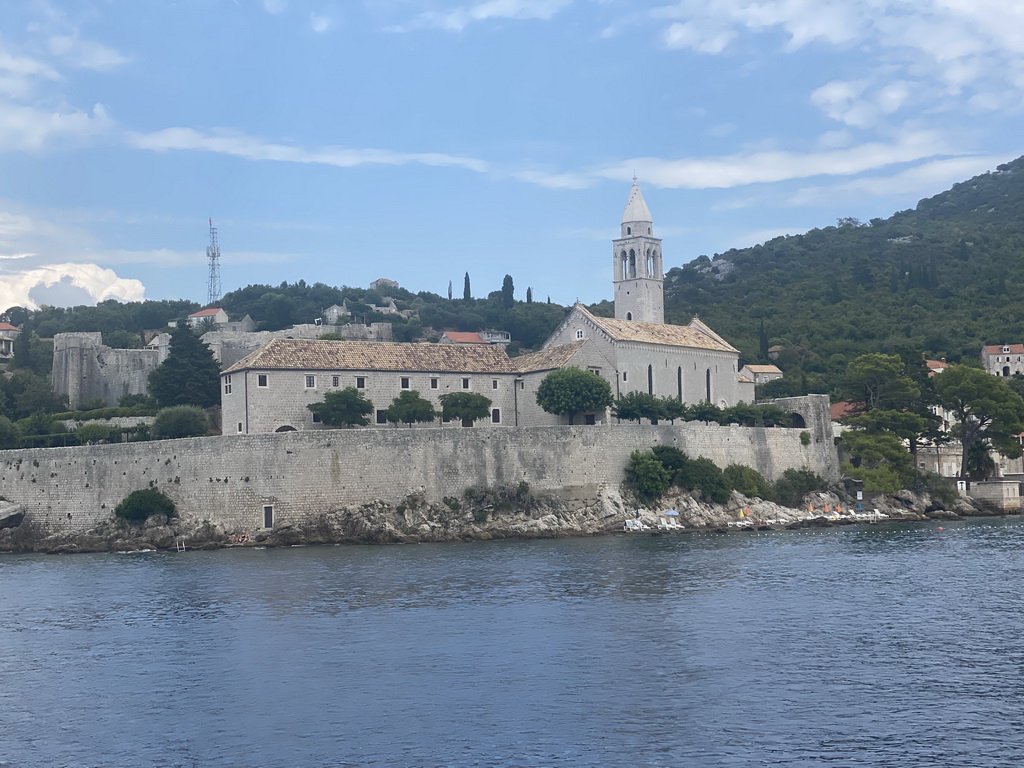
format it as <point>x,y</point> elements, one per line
<point>213,258</point>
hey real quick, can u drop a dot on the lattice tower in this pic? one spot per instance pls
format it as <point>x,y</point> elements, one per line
<point>213,258</point>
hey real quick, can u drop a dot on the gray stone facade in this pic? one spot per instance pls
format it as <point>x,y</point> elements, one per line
<point>85,369</point>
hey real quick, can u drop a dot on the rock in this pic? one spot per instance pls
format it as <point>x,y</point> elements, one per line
<point>12,520</point>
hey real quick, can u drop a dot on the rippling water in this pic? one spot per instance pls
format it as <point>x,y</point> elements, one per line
<point>871,646</point>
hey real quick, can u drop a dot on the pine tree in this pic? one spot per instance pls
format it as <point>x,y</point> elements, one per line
<point>189,375</point>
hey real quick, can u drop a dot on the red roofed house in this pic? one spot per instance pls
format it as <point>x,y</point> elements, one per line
<point>1003,359</point>
<point>8,333</point>
<point>936,366</point>
<point>216,314</point>
<point>459,337</point>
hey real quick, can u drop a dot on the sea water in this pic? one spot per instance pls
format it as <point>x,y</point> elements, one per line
<point>871,646</point>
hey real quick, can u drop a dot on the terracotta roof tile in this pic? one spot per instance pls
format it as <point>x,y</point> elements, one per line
<point>7,327</point>
<point>548,359</point>
<point>206,312</point>
<point>304,354</point>
<point>1013,349</point>
<point>763,369</point>
<point>462,337</point>
<point>696,334</point>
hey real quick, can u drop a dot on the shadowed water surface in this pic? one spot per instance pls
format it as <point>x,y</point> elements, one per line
<point>870,646</point>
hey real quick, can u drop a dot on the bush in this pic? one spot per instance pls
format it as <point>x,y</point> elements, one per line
<point>180,421</point>
<point>646,476</point>
<point>748,481</point>
<point>8,434</point>
<point>940,488</point>
<point>138,505</point>
<point>703,475</point>
<point>794,484</point>
<point>92,433</point>
<point>672,459</point>
<point>805,438</point>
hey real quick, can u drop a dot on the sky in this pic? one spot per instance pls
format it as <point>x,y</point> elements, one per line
<point>417,140</point>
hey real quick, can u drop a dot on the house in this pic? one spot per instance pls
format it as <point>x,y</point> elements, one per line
<point>8,333</point>
<point>761,374</point>
<point>1003,359</point>
<point>334,313</point>
<point>492,336</point>
<point>635,351</point>
<point>210,315</point>
<point>936,366</point>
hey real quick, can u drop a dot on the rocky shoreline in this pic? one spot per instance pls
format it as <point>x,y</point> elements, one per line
<point>486,517</point>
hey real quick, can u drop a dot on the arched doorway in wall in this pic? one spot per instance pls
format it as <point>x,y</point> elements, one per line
<point>285,428</point>
<point>799,422</point>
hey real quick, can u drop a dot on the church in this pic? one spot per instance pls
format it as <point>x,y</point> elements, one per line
<point>268,391</point>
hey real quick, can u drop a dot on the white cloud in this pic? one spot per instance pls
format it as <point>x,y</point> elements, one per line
<point>275,6</point>
<point>66,283</point>
<point>320,24</point>
<point>29,128</point>
<point>459,18</point>
<point>86,54</point>
<point>251,148</point>
<point>700,39</point>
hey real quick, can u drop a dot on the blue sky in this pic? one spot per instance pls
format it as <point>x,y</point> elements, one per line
<point>420,139</point>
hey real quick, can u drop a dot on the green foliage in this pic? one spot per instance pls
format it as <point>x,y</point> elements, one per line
<point>25,392</point>
<point>121,339</point>
<point>507,292</point>
<point>9,435</point>
<point>646,477</point>
<point>189,375</point>
<point>138,505</point>
<point>879,459</point>
<point>805,438</point>
<point>794,484</point>
<point>879,381</point>
<point>331,336</point>
<point>343,408</point>
<point>180,421</point>
<point>635,406</point>
<point>706,412</point>
<point>570,391</point>
<point>748,481</point>
<point>92,433</point>
<point>986,409</point>
<point>409,408</point>
<point>465,406</point>
<point>671,409</point>
<point>672,459</point>
<point>703,475</point>
<point>940,488</point>
<point>38,423</point>
<point>137,401</point>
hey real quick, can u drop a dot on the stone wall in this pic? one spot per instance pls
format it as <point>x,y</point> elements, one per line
<point>230,479</point>
<point>85,369</point>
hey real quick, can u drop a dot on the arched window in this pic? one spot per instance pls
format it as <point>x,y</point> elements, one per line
<point>285,428</point>
<point>650,379</point>
<point>679,382</point>
<point>707,385</point>
<point>632,263</point>
<point>629,231</point>
<point>629,315</point>
<point>624,264</point>
<point>650,264</point>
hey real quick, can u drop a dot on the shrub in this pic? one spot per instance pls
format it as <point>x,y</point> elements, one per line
<point>703,475</point>
<point>8,434</point>
<point>938,487</point>
<point>138,505</point>
<point>794,484</point>
<point>672,459</point>
<point>180,421</point>
<point>805,438</point>
<point>92,433</point>
<point>646,476</point>
<point>748,481</point>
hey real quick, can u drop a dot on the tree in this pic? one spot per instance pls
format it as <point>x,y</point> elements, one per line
<point>879,381</point>
<point>569,391</point>
<point>23,348</point>
<point>465,406</point>
<point>409,407</point>
<point>703,475</point>
<point>635,406</point>
<point>985,409</point>
<point>180,421</point>
<point>8,434</point>
<point>706,412</point>
<point>672,408</point>
<point>529,295</point>
<point>879,459</point>
<point>343,408</point>
<point>507,292</point>
<point>466,294</point>
<point>748,481</point>
<point>189,375</point>
<point>647,478</point>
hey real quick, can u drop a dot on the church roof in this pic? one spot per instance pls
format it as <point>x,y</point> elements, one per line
<point>319,355</point>
<point>696,334</point>
<point>636,208</point>
<point>548,359</point>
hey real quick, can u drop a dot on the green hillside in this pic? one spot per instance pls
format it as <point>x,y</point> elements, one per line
<point>944,278</point>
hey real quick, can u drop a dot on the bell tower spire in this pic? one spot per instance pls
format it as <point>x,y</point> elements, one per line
<point>636,263</point>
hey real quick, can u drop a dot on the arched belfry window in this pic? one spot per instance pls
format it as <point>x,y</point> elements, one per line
<point>650,264</point>
<point>629,231</point>
<point>650,379</point>
<point>632,263</point>
<point>624,263</point>
<point>707,385</point>
<point>629,315</point>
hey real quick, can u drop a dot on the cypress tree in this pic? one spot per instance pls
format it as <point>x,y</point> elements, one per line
<point>465,290</point>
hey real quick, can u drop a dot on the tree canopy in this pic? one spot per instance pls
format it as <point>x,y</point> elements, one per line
<point>189,375</point>
<point>570,391</point>
<point>343,408</point>
<point>409,408</point>
<point>465,406</point>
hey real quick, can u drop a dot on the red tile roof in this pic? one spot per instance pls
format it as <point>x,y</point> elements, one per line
<point>206,312</point>
<point>7,327</point>
<point>1013,349</point>
<point>460,337</point>
<point>841,409</point>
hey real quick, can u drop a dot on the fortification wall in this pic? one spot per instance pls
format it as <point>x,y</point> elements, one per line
<point>85,369</point>
<point>230,479</point>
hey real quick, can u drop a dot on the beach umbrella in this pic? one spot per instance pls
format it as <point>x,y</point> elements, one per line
<point>670,512</point>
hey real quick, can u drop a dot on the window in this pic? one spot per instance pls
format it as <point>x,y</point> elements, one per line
<point>465,383</point>
<point>227,385</point>
<point>405,382</point>
<point>335,381</point>
<point>239,426</point>
<point>496,416</point>
<point>382,417</point>
<point>361,383</point>
<point>445,419</point>
<point>595,371</point>
<point>625,375</point>
<point>494,383</point>
<point>310,382</point>
<point>579,334</point>
<point>261,380</point>
<point>316,418</point>
<point>433,383</point>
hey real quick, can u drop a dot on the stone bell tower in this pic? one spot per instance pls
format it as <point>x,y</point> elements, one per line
<point>636,262</point>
